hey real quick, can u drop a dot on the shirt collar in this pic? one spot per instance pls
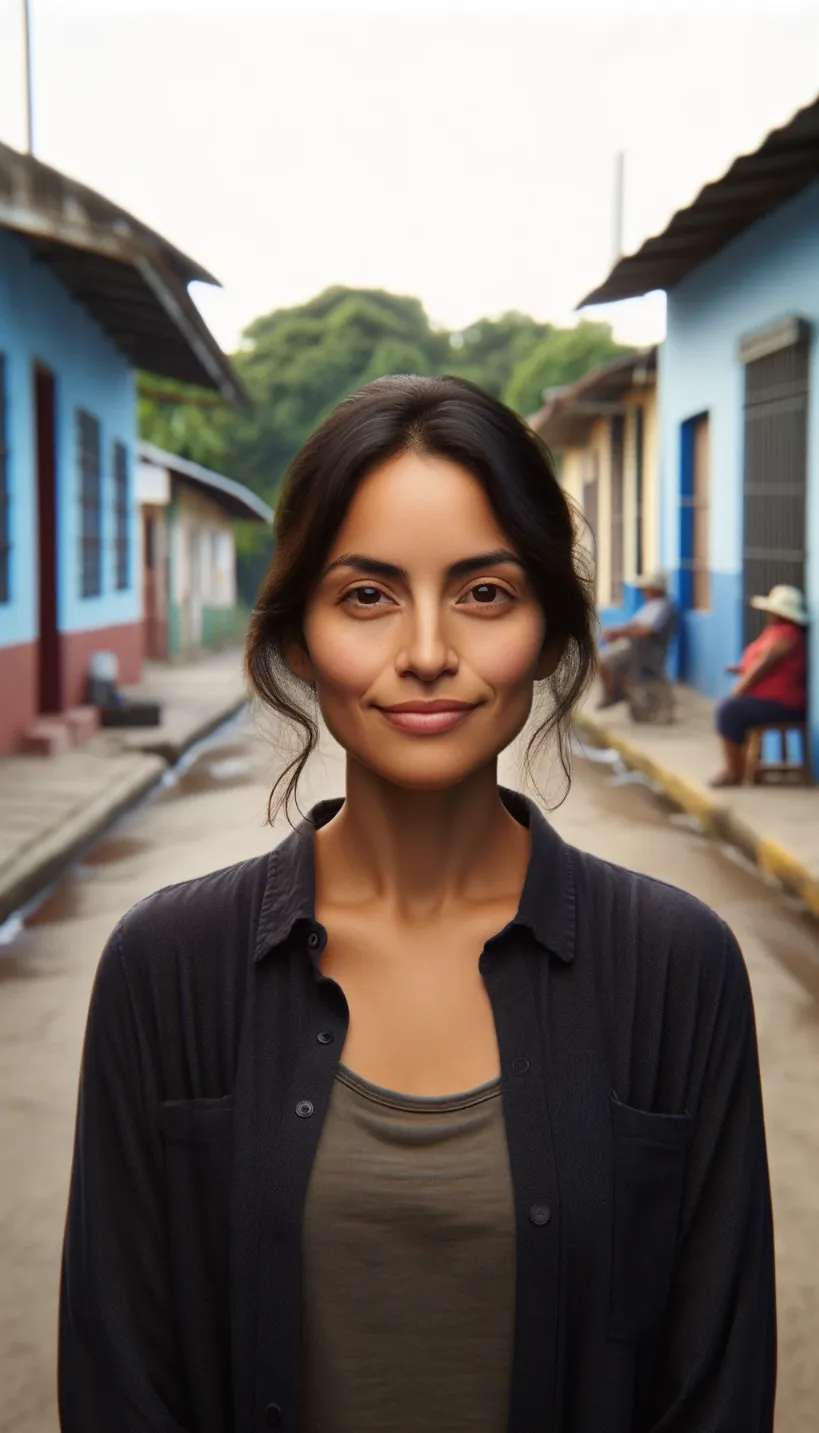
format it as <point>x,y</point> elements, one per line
<point>546,907</point>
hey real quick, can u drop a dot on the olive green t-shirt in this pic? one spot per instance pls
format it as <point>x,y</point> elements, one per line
<point>408,1265</point>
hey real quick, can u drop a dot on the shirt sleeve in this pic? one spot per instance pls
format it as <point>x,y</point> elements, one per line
<point>118,1364</point>
<point>652,616</point>
<point>716,1369</point>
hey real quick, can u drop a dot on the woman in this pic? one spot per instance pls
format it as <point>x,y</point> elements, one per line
<point>773,679</point>
<point>427,1120</point>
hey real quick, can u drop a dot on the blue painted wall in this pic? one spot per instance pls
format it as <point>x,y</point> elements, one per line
<point>768,273</point>
<point>39,321</point>
<point>632,599</point>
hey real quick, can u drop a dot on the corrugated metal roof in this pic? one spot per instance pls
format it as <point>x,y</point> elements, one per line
<point>131,281</point>
<point>566,420</point>
<point>234,498</point>
<point>755,185</point>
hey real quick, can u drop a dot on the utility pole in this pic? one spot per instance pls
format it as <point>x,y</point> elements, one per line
<point>29,86</point>
<point>619,188</point>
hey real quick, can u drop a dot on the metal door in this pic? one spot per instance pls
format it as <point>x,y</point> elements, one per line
<point>775,475</point>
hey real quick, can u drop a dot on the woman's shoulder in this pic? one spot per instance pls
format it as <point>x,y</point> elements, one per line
<point>651,926</point>
<point>194,905</point>
<point>200,931</point>
<point>170,985</point>
<point>671,979</point>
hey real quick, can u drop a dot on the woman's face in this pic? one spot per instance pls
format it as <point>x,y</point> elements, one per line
<point>423,635</point>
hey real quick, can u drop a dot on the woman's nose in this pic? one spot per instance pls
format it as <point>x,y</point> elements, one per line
<point>428,653</point>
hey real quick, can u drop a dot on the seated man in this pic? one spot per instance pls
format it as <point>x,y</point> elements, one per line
<point>639,647</point>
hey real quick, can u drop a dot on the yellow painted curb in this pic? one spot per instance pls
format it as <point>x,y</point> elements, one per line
<point>716,818</point>
<point>778,862</point>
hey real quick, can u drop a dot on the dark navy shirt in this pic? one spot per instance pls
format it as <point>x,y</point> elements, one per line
<point>631,1099</point>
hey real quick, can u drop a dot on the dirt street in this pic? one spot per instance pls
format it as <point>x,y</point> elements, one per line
<point>212,816</point>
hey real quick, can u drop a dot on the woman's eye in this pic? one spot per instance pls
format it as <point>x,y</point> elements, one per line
<point>487,594</point>
<point>363,596</point>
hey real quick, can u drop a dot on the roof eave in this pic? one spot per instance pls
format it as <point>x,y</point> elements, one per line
<point>591,396</point>
<point>235,498</point>
<point>754,185</point>
<point>71,220</point>
<point>55,215</point>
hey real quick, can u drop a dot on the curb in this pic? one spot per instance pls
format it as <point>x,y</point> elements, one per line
<point>717,819</point>
<point>46,859</point>
<point>172,751</point>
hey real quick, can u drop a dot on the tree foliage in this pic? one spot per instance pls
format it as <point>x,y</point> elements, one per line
<point>565,355</point>
<point>298,363</point>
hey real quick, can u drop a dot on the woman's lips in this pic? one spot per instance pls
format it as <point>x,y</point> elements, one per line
<point>427,718</point>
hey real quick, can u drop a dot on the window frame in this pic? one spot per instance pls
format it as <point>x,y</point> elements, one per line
<point>89,463</point>
<point>5,490</point>
<point>120,469</point>
<point>639,490</point>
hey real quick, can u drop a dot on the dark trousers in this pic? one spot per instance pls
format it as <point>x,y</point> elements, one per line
<point>736,716</point>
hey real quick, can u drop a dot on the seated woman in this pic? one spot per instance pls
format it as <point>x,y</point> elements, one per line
<point>773,679</point>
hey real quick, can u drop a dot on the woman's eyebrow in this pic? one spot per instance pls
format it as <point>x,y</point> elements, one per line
<point>359,562</point>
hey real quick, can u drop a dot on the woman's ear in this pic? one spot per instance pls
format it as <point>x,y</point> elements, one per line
<point>297,658</point>
<point>551,656</point>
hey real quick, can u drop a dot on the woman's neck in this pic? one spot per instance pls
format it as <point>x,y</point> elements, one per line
<point>419,854</point>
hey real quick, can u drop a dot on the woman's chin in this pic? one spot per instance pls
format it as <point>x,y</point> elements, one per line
<point>425,770</point>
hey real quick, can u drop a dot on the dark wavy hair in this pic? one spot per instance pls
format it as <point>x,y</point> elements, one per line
<point>453,419</point>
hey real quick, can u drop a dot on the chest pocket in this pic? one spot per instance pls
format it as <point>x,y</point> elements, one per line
<point>198,1138</point>
<point>649,1170</point>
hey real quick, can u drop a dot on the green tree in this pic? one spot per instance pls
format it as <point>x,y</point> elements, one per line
<point>561,357</point>
<point>184,420</point>
<point>489,352</point>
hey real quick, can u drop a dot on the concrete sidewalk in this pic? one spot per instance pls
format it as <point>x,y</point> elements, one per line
<point>53,808</point>
<point>776,827</point>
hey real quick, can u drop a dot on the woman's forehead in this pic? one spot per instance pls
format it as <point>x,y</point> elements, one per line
<point>419,502</point>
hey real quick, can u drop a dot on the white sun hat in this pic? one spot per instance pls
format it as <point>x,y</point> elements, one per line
<point>653,582</point>
<point>787,602</point>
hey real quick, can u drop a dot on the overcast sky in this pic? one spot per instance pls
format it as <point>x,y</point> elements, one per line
<point>462,151</point>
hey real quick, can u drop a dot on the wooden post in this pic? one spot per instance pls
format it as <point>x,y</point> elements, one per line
<point>619,187</point>
<point>29,85</point>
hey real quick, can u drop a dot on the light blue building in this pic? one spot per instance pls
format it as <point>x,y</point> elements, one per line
<point>88,295</point>
<point>739,398</point>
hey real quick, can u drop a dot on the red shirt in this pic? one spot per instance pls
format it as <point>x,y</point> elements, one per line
<point>787,682</point>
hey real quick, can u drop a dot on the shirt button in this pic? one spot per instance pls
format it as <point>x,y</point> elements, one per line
<point>304,1109</point>
<point>540,1214</point>
<point>273,1415</point>
<point>521,1067</point>
<point>325,1037</point>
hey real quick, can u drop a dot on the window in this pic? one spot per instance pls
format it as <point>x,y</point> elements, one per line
<point>617,447</point>
<point>88,437</point>
<point>694,524</point>
<point>5,493</point>
<point>639,498</point>
<point>122,519</point>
